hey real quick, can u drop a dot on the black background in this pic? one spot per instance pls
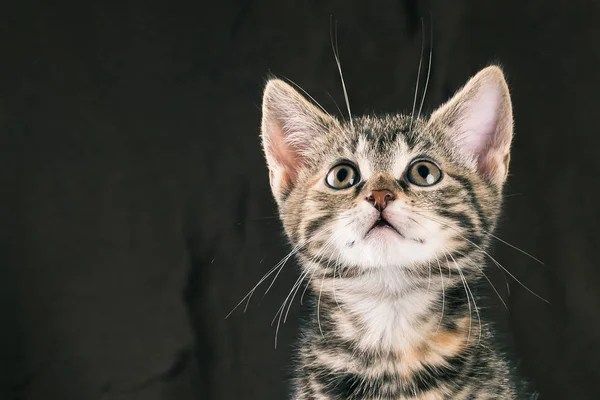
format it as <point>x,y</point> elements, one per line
<point>135,205</point>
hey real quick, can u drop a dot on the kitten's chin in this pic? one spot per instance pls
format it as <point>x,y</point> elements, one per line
<point>384,247</point>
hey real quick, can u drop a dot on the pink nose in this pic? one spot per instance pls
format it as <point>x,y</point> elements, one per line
<point>380,198</point>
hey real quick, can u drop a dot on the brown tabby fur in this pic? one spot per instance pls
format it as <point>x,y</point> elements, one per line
<point>394,310</point>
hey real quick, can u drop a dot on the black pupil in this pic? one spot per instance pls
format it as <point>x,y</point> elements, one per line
<point>342,174</point>
<point>423,171</point>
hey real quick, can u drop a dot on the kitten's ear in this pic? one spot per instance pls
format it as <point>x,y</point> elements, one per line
<point>480,120</point>
<point>291,128</point>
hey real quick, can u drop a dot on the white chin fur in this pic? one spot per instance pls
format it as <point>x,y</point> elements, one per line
<point>383,247</point>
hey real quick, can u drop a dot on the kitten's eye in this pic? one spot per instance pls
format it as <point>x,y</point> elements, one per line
<point>342,176</point>
<point>424,173</point>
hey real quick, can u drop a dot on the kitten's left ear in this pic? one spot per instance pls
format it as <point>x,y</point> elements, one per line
<point>480,120</point>
<point>292,128</point>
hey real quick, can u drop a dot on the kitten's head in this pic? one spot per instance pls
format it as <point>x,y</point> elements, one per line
<point>390,191</point>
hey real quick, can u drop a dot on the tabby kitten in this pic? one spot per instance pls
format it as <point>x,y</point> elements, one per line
<point>390,217</point>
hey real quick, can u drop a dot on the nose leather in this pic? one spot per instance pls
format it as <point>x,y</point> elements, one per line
<point>380,198</point>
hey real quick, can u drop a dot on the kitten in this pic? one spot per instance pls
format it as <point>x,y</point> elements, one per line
<point>391,216</point>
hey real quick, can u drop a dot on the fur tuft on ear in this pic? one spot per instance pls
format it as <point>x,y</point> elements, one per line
<point>291,128</point>
<point>480,121</point>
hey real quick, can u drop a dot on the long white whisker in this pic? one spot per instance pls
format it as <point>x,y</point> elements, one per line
<point>307,94</point>
<point>429,281</point>
<point>336,54</point>
<point>335,269</point>
<point>515,247</point>
<point>294,289</point>
<point>472,297</point>
<point>491,284</point>
<point>317,259</point>
<point>292,293</point>
<point>283,262</point>
<point>462,278</point>
<point>335,103</point>
<point>443,294</point>
<point>306,287</point>
<point>304,275</point>
<point>499,239</point>
<point>412,114</point>
<point>487,254</point>
<point>282,307</point>
<point>428,71</point>
<point>321,292</point>
<point>319,305</point>
<point>310,279</point>
<point>326,246</point>
<point>277,266</point>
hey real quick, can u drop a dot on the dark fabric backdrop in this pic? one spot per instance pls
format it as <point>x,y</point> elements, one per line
<point>135,205</point>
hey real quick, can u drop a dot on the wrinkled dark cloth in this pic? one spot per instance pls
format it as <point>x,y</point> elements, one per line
<point>135,204</point>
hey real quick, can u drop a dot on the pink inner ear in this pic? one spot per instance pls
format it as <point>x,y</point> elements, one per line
<point>478,123</point>
<point>283,154</point>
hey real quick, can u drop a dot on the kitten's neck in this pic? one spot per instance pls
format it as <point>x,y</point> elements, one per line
<point>398,337</point>
<point>392,312</point>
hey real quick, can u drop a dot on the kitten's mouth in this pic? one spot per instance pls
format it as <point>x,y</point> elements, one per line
<point>382,223</point>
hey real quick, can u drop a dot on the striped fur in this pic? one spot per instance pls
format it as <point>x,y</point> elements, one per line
<point>394,314</point>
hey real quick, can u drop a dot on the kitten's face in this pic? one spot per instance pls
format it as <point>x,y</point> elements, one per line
<point>377,197</point>
<point>389,192</point>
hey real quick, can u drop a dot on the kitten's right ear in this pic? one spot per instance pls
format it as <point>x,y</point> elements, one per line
<point>480,122</point>
<point>291,128</point>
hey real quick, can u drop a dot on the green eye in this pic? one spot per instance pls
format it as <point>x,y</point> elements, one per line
<point>424,173</point>
<point>342,176</point>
